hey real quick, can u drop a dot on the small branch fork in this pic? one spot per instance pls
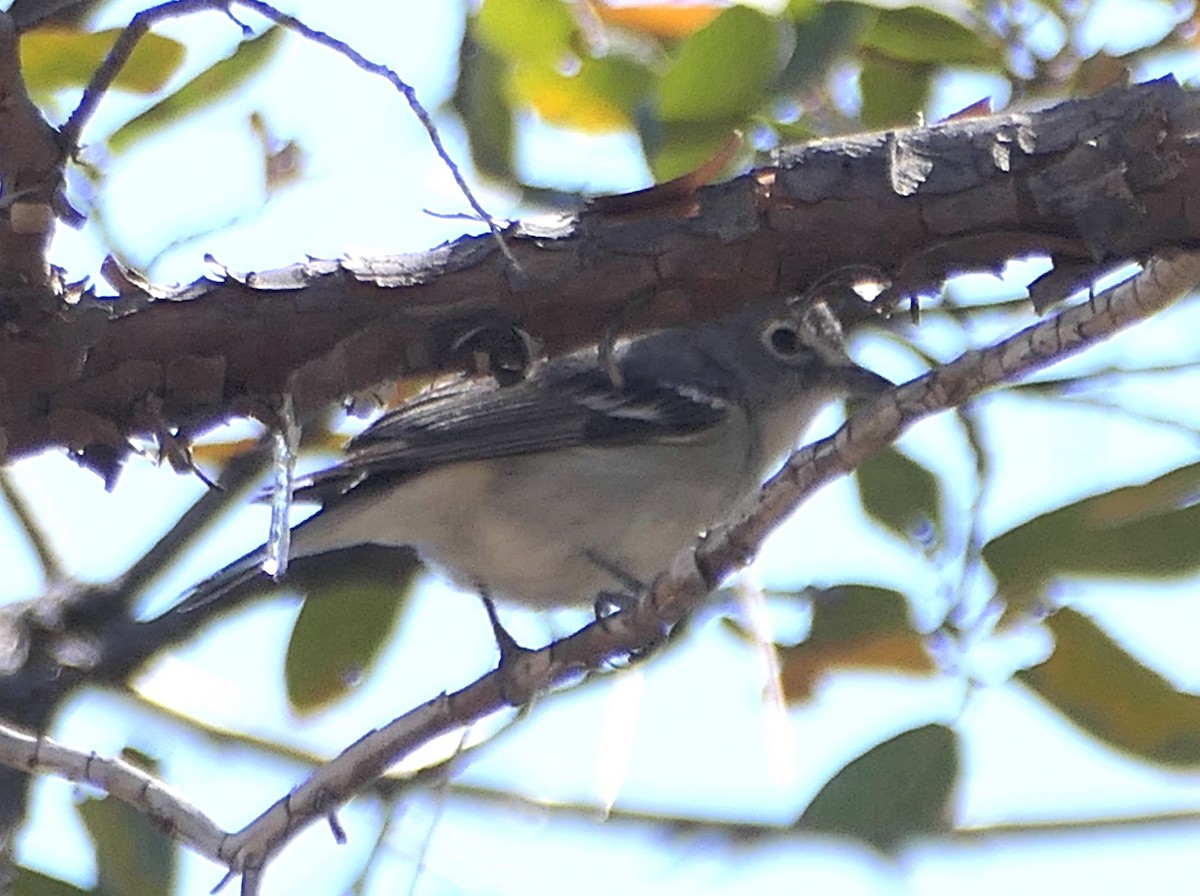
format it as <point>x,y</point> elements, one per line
<point>102,80</point>
<point>691,577</point>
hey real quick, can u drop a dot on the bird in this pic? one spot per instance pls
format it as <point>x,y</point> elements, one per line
<point>590,472</point>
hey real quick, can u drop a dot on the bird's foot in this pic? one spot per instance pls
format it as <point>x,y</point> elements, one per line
<point>522,672</point>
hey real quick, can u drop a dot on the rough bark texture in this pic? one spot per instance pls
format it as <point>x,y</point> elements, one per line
<point>1090,183</point>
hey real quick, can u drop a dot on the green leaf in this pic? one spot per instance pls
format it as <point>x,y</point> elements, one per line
<point>917,34</point>
<point>893,92</point>
<point>799,131</point>
<point>132,856</point>
<point>54,58</point>
<point>33,883</point>
<point>1150,530</point>
<point>722,73</point>
<point>899,789</point>
<point>206,89</point>
<point>483,104</point>
<point>803,9</point>
<point>350,612</point>
<point>850,612</point>
<point>680,147</point>
<point>824,31</point>
<point>1101,688</point>
<point>902,495</point>
<point>525,30</point>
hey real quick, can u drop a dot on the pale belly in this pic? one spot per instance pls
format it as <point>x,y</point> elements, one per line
<point>553,530</point>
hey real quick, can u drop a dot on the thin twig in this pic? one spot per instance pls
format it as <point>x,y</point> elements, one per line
<point>439,810</point>
<point>183,822</point>
<point>741,831</point>
<point>52,569</point>
<point>102,79</point>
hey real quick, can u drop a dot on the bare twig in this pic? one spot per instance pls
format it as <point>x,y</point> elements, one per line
<point>744,831</point>
<point>188,825</point>
<point>51,568</point>
<point>142,22</point>
<point>181,820</point>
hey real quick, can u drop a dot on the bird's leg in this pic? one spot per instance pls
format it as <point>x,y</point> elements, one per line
<point>521,670</point>
<point>609,602</point>
<point>504,641</point>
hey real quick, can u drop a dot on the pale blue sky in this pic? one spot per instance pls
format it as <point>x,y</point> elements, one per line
<point>699,741</point>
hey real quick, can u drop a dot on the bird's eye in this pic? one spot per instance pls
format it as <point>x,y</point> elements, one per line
<point>783,340</point>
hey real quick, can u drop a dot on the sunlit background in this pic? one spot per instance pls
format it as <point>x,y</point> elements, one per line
<point>688,735</point>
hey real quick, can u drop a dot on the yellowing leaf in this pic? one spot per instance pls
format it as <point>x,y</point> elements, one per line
<point>1133,502</point>
<point>1102,689</point>
<point>802,666</point>
<point>853,627</point>
<point>53,58</point>
<point>599,97</point>
<point>672,22</point>
<point>220,453</point>
<point>352,604</point>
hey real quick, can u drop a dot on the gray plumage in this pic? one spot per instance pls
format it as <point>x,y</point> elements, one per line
<point>551,490</point>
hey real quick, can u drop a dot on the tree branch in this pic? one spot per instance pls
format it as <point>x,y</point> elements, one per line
<point>1091,183</point>
<point>742,832</point>
<point>692,575</point>
<point>179,819</point>
<point>31,171</point>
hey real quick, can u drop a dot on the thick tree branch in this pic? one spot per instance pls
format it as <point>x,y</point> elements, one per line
<point>31,175</point>
<point>1091,183</point>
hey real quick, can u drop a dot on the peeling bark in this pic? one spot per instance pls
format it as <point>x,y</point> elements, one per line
<point>1090,183</point>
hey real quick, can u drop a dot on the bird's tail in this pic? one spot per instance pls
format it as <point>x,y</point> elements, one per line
<point>223,582</point>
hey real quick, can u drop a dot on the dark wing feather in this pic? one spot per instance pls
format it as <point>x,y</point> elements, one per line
<point>565,409</point>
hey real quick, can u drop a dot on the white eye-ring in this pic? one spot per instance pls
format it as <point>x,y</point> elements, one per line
<point>782,339</point>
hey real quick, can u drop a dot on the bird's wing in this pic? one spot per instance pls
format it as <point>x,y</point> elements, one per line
<point>580,406</point>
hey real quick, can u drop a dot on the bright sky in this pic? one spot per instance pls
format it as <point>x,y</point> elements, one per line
<point>697,723</point>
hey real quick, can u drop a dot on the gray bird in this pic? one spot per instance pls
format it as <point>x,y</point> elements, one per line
<point>582,477</point>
